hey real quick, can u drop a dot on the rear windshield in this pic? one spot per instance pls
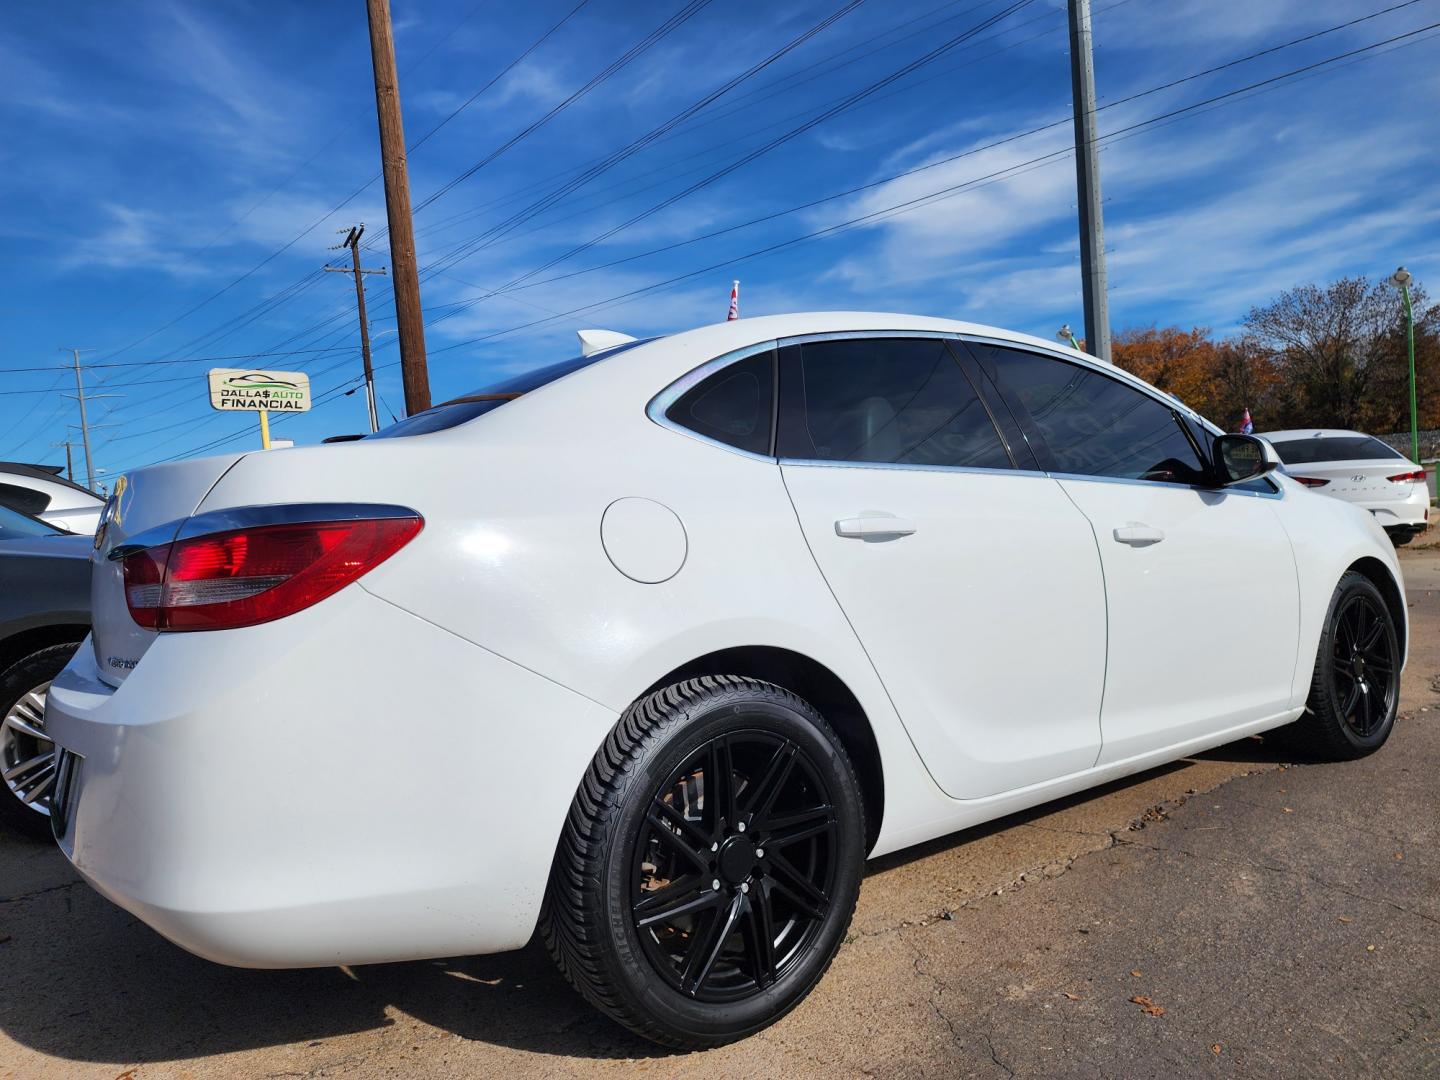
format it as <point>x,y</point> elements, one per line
<point>1318,448</point>
<point>478,402</point>
<point>16,526</point>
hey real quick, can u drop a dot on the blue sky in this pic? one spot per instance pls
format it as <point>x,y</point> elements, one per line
<point>157,155</point>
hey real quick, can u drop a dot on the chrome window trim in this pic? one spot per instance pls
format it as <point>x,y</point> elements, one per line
<point>247,517</point>
<point>1280,494</point>
<point>661,402</point>
<point>905,466</point>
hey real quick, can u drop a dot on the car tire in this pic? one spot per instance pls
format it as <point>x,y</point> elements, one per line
<point>21,740</point>
<point>1400,537</point>
<point>1354,691</point>
<point>661,900</point>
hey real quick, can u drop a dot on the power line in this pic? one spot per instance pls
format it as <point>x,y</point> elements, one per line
<point>344,202</point>
<point>811,204</point>
<point>951,190</point>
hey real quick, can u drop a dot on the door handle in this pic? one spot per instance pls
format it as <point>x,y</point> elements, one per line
<point>1138,534</point>
<point>874,528</point>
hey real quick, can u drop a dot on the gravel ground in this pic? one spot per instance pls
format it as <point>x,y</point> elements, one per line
<point>1230,915</point>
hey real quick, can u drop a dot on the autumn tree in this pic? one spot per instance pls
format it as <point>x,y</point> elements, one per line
<point>1180,362</point>
<point>1331,356</point>
<point>1328,346</point>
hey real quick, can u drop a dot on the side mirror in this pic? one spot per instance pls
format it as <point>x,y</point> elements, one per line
<point>1242,457</point>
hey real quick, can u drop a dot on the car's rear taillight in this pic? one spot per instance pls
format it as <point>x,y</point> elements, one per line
<point>241,577</point>
<point>1406,477</point>
<point>1310,481</point>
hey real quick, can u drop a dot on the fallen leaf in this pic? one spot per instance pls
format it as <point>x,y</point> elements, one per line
<point>1148,1007</point>
<point>1072,997</point>
<point>1369,948</point>
<point>128,1074</point>
<point>1344,919</point>
<point>1399,855</point>
<point>1287,810</point>
<point>1137,973</point>
<point>1216,1048</point>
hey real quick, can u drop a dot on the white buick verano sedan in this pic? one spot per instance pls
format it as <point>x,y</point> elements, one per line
<point>652,648</point>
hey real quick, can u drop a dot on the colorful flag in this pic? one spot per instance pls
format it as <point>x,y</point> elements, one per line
<point>1246,424</point>
<point>734,301</point>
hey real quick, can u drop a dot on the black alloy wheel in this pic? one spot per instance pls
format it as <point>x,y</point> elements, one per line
<point>710,863</point>
<point>1364,672</point>
<point>735,867</point>
<point>1355,688</point>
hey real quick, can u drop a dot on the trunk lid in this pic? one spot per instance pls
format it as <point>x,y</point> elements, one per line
<point>1361,481</point>
<point>151,501</point>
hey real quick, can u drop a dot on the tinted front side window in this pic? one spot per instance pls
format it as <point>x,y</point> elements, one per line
<point>734,405</point>
<point>1095,425</point>
<point>890,401</point>
<point>1318,448</point>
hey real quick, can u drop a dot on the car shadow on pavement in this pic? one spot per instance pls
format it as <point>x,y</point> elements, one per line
<point>82,980</point>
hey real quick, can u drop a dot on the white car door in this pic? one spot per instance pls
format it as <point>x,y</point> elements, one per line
<point>1200,582</point>
<point>973,585</point>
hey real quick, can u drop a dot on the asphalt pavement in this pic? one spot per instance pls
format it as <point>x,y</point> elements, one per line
<point>1230,915</point>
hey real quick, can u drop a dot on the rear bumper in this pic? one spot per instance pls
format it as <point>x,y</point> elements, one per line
<point>1407,512</point>
<point>348,785</point>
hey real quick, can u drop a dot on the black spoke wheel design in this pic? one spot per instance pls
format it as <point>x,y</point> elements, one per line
<point>710,864</point>
<point>1364,675</point>
<point>1355,688</point>
<point>735,866</point>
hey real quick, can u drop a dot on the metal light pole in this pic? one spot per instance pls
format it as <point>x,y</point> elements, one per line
<point>1087,183</point>
<point>1401,280</point>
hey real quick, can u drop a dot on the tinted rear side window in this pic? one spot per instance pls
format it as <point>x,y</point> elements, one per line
<point>25,500</point>
<point>1318,448</point>
<point>734,406</point>
<point>889,401</point>
<point>1096,425</point>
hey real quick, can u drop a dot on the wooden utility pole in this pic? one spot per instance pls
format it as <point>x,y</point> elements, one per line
<point>352,241</point>
<point>1087,184</point>
<point>406,277</point>
<point>69,458</point>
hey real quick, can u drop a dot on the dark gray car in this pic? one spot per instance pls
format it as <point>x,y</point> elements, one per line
<point>44,615</point>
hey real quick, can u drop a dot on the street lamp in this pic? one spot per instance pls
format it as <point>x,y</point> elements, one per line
<point>1065,334</point>
<point>1401,280</point>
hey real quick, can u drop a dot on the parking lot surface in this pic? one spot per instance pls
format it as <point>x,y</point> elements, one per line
<point>1231,915</point>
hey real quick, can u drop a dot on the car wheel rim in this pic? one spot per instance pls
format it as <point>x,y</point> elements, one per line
<point>735,867</point>
<point>1364,668</point>
<point>27,756</point>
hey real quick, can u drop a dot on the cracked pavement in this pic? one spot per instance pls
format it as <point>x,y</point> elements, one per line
<point>1281,919</point>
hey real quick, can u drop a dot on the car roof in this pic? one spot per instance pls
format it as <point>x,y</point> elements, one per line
<point>738,333</point>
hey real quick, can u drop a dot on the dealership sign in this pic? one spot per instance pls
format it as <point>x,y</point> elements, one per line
<point>245,389</point>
